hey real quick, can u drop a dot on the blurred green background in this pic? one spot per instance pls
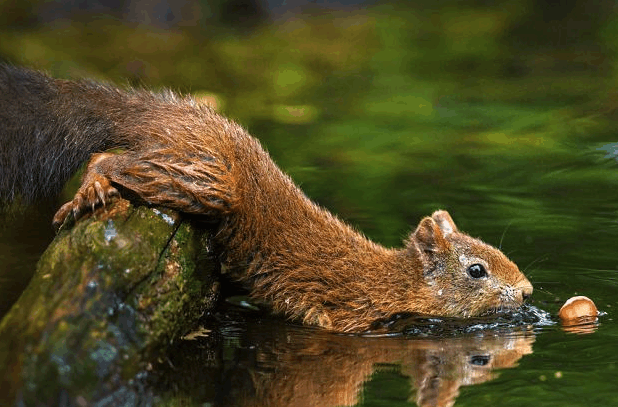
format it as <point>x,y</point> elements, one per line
<point>502,112</point>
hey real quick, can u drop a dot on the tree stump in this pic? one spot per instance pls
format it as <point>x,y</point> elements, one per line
<point>108,295</point>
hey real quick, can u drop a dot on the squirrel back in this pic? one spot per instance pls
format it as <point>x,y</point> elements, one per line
<point>292,254</point>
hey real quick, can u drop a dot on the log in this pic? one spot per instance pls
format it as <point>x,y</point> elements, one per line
<point>109,294</point>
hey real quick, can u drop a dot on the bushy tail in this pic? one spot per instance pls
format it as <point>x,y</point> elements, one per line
<point>46,132</point>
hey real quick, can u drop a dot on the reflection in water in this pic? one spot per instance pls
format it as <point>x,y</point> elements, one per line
<point>270,363</point>
<point>581,325</point>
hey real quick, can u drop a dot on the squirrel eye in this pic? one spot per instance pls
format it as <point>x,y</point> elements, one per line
<point>480,360</point>
<point>477,271</point>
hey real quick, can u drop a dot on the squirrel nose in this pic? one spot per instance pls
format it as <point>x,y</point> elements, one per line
<point>526,292</point>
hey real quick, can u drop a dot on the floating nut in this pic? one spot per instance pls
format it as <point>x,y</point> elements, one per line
<point>578,307</point>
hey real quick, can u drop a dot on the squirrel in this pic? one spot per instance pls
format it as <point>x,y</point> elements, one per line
<point>291,254</point>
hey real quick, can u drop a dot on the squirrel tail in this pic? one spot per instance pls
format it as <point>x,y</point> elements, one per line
<point>47,129</point>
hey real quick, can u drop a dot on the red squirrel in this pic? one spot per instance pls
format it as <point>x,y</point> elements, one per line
<point>289,252</point>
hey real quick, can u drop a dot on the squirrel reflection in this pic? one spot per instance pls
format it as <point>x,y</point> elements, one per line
<point>300,367</point>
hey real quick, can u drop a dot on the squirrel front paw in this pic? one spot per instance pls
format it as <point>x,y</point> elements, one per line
<point>96,190</point>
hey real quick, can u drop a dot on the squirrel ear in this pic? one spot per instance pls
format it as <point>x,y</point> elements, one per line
<point>428,236</point>
<point>445,222</point>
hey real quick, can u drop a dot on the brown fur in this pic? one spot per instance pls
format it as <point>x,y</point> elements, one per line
<point>291,253</point>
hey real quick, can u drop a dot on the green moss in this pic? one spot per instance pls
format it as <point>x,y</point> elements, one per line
<point>107,293</point>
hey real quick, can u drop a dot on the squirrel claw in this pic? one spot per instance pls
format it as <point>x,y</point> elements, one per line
<point>88,197</point>
<point>61,214</point>
<point>104,192</point>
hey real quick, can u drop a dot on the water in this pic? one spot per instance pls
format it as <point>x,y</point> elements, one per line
<point>506,117</point>
<point>247,360</point>
<point>556,217</point>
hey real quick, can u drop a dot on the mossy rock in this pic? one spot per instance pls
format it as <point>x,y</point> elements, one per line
<point>107,296</point>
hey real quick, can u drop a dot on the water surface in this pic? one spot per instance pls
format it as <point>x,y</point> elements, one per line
<point>504,115</point>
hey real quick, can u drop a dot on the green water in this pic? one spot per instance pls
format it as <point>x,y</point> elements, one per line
<point>504,114</point>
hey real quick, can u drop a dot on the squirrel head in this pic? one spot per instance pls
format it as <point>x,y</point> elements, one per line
<point>463,276</point>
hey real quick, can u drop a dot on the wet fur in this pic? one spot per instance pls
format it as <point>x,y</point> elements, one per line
<point>292,254</point>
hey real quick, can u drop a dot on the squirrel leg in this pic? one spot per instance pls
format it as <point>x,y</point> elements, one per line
<point>190,183</point>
